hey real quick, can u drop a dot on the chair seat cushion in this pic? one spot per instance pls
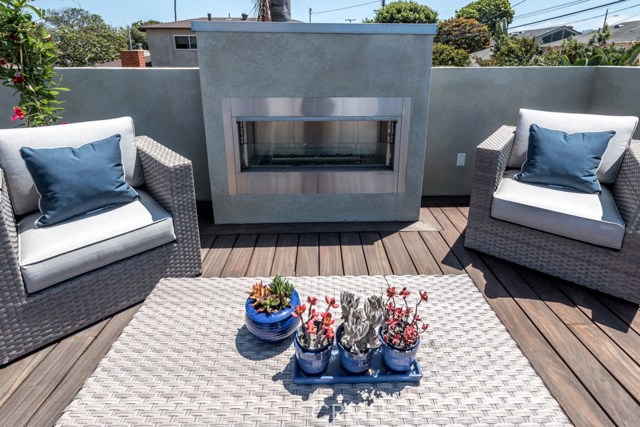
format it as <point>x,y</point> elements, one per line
<point>53,254</point>
<point>587,217</point>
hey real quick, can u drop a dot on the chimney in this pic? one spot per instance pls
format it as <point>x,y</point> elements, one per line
<point>132,58</point>
<point>208,17</point>
<point>245,16</point>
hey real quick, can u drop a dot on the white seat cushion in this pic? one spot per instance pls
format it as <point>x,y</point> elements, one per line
<point>588,217</point>
<point>50,255</point>
<point>22,190</point>
<point>624,126</point>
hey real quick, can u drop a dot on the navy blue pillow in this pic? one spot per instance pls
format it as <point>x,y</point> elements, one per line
<point>74,181</point>
<point>564,159</point>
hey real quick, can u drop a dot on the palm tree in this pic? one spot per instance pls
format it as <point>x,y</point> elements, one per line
<point>272,10</point>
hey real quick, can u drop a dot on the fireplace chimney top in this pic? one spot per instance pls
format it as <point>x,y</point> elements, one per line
<point>208,17</point>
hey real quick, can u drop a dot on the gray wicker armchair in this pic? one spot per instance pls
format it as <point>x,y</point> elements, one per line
<point>615,272</point>
<point>31,320</point>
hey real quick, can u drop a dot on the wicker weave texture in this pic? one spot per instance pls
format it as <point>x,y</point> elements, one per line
<point>616,272</point>
<point>186,359</point>
<point>30,321</point>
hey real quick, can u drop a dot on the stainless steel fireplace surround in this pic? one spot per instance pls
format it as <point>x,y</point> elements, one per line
<point>316,145</point>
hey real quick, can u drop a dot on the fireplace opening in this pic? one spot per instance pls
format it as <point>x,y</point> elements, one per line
<point>309,143</point>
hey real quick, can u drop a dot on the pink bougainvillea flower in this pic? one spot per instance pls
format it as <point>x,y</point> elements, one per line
<point>18,79</point>
<point>18,114</point>
<point>391,292</point>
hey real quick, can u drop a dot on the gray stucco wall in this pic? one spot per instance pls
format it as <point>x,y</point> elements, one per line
<point>466,105</point>
<point>313,65</point>
<point>164,52</point>
<point>164,103</point>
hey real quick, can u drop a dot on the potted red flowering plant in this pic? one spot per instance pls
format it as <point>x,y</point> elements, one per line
<point>400,334</point>
<point>314,338</point>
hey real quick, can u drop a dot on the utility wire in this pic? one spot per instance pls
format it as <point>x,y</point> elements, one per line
<point>343,8</point>
<point>602,14</point>
<point>550,9</point>
<point>570,14</point>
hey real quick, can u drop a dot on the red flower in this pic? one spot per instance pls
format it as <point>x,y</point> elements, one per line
<point>311,327</point>
<point>312,300</point>
<point>299,311</point>
<point>332,302</point>
<point>424,326</point>
<point>424,296</point>
<point>18,114</point>
<point>2,62</point>
<point>329,333</point>
<point>404,293</point>
<point>18,79</point>
<point>13,37</point>
<point>391,292</point>
<point>327,320</point>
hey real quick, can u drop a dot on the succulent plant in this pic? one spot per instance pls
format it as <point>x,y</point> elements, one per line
<point>360,323</point>
<point>273,297</point>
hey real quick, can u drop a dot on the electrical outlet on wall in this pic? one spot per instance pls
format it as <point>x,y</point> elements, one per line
<point>460,161</point>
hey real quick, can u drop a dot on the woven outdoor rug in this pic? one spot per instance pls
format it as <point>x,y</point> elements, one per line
<point>186,359</point>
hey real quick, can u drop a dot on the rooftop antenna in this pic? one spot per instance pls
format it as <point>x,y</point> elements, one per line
<point>350,20</point>
<point>175,10</point>
<point>310,12</point>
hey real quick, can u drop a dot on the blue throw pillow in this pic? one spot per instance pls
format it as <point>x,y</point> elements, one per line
<point>74,181</point>
<point>565,160</point>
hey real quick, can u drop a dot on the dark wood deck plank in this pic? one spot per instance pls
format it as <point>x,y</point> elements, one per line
<point>37,387</point>
<point>621,366</point>
<point>240,256</point>
<point>398,254</point>
<point>610,395</point>
<point>375,255</point>
<point>284,262</point>
<point>626,311</point>
<point>263,255</point>
<point>581,408</point>
<point>442,253</point>
<point>53,406</point>
<point>330,255</point>
<point>216,258</point>
<point>12,375</point>
<point>456,218</point>
<point>422,258</point>
<point>308,262</point>
<point>353,259</point>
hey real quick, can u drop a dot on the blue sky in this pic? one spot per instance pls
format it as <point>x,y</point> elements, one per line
<point>122,12</point>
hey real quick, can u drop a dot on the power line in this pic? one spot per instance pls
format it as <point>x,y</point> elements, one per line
<point>570,14</point>
<point>600,15</point>
<point>347,7</point>
<point>550,9</point>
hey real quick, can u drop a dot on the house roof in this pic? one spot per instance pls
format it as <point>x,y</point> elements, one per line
<point>623,32</point>
<point>541,32</point>
<point>186,23</point>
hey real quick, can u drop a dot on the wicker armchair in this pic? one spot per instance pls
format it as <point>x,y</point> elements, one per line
<point>29,321</point>
<point>615,272</point>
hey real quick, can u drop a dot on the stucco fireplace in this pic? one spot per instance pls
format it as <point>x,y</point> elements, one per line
<point>314,122</point>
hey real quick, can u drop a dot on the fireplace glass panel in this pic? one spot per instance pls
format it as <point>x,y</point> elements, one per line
<point>304,143</point>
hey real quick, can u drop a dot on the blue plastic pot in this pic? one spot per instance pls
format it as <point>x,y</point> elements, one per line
<point>353,363</point>
<point>272,327</point>
<point>398,359</point>
<point>312,362</point>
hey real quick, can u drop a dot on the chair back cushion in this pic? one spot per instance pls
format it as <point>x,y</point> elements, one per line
<point>74,181</point>
<point>22,190</point>
<point>624,126</point>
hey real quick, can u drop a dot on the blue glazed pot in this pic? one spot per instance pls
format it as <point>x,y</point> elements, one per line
<point>398,359</point>
<point>353,363</point>
<point>312,362</point>
<point>272,327</point>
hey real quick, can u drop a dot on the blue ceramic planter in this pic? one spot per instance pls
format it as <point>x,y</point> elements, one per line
<point>396,359</point>
<point>312,362</point>
<point>272,327</point>
<point>353,363</point>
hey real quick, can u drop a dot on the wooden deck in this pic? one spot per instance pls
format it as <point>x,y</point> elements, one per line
<point>584,345</point>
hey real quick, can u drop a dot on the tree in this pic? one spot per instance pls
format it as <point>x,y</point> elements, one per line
<point>273,10</point>
<point>462,33</point>
<point>84,38</point>
<point>446,55</point>
<point>597,51</point>
<point>513,51</point>
<point>404,12</point>
<point>27,59</point>
<point>137,36</point>
<point>488,12</point>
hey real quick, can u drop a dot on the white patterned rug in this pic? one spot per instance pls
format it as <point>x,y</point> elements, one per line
<point>186,359</point>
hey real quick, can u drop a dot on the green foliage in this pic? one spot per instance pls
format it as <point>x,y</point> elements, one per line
<point>462,33</point>
<point>446,55</point>
<point>597,51</point>
<point>273,297</point>
<point>27,59</point>
<point>138,36</point>
<point>84,38</point>
<point>404,12</point>
<point>513,51</point>
<point>488,12</point>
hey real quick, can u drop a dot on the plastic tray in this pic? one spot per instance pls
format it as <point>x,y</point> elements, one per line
<point>378,373</point>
